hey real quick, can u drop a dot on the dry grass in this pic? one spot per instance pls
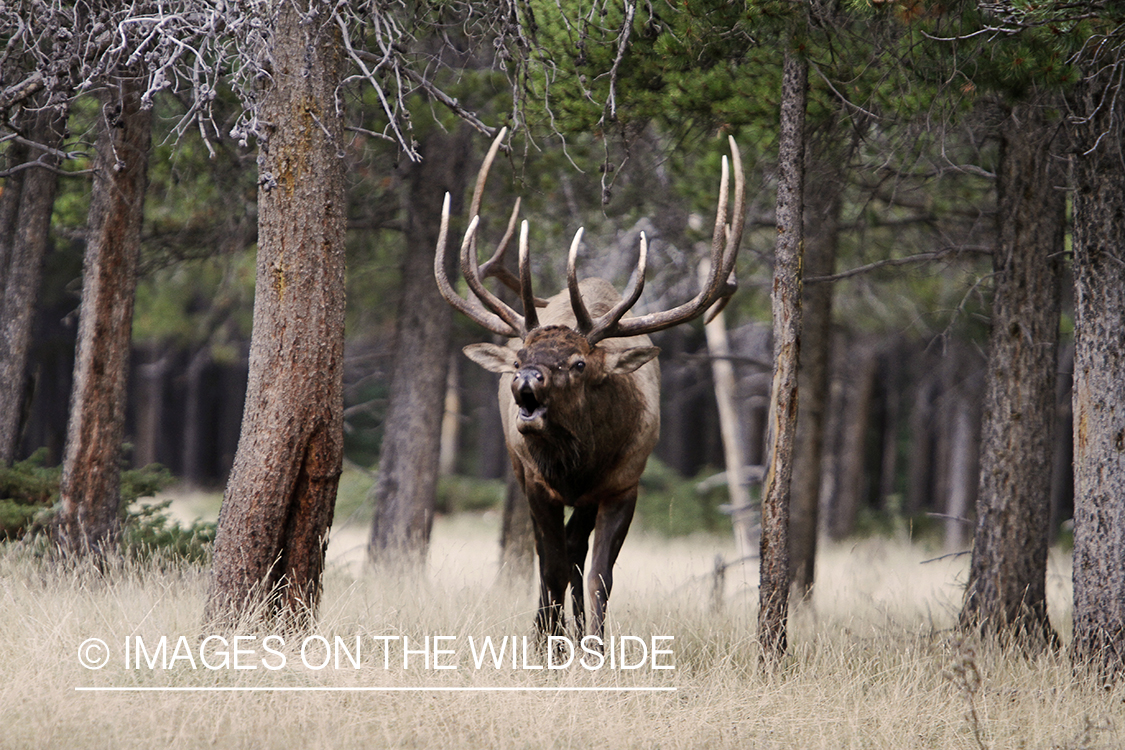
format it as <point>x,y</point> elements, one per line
<point>873,663</point>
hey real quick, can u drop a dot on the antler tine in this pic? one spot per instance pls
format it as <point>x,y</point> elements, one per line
<point>494,266</point>
<point>482,175</point>
<point>474,310</point>
<point>724,251</point>
<point>732,235</point>
<point>606,325</point>
<point>530,318</point>
<point>471,272</point>
<point>738,220</point>
<point>583,322</point>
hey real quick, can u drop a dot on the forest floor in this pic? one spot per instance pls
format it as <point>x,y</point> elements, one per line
<point>873,662</point>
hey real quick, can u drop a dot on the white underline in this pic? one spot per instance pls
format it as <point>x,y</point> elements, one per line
<point>281,689</point>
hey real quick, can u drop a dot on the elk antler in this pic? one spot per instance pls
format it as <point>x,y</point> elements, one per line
<point>720,285</point>
<point>484,307</point>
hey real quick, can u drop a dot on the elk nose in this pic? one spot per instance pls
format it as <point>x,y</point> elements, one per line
<point>528,379</point>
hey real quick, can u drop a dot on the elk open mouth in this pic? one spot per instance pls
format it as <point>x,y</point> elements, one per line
<point>531,408</point>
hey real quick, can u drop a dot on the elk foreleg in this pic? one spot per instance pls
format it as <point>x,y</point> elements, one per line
<point>612,525</point>
<point>550,544</point>
<point>578,530</point>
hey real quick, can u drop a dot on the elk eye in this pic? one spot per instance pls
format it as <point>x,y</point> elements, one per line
<point>579,366</point>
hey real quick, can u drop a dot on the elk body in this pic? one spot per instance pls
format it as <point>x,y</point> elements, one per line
<point>579,396</point>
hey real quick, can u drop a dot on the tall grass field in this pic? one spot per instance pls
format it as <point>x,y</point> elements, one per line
<point>874,661</point>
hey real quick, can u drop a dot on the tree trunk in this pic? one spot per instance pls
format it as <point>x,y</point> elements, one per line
<point>90,489</point>
<point>26,203</point>
<point>273,526</point>
<point>451,419</point>
<point>191,465</point>
<point>921,463</point>
<point>856,397</point>
<point>1099,371</point>
<point>822,219</point>
<point>1062,472</point>
<point>773,592</point>
<point>405,491</point>
<point>734,445</point>
<point>960,477</point>
<point>150,404</point>
<point>1006,595</point>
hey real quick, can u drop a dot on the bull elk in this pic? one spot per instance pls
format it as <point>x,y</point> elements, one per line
<point>579,393</point>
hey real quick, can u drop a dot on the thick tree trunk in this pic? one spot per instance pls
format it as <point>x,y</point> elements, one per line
<point>773,592</point>
<point>273,526</point>
<point>90,489</point>
<point>1006,595</point>
<point>1099,372</point>
<point>822,220</point>
<point>405,492</point>
<point>26,203</point>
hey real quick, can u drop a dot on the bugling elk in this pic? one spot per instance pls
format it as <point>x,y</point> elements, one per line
<point>579,393</point>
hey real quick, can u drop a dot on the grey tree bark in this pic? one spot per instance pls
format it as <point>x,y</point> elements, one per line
<point>773,608</point>
<point>273,526</point>
<point>90,489</point>
<point>26,203</point>
<point>1099,371</point>
<point>1006,595</point>
<point>405,491</point>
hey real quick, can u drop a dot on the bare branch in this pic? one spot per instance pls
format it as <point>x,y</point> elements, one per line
<point>17,92</point>
<point>893,262</point>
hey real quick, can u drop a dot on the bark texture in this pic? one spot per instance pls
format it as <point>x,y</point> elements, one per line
<point>1006,596</point>
<point>90,489</point>
<point>405,492</point>
<point>1099,372</point>
<point>26,203</point>
<point>273,526</point>
<point>773,611</point>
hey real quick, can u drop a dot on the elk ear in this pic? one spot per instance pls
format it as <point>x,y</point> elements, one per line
<point>491,357</point>
<point>624,361</point>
